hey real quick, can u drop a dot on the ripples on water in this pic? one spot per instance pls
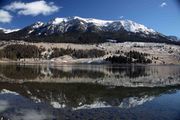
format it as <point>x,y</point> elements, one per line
<point>89,92</point>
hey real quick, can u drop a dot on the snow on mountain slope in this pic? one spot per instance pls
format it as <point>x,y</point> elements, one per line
<point>35,26</point>
<point>135,27</point>
<point>57,21</point>
<point>38,24</point>
<point>97,22</point>
<point>9,30</point>
<point>62,25</point>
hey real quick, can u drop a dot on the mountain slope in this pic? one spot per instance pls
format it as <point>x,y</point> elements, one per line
<point>8,30</point>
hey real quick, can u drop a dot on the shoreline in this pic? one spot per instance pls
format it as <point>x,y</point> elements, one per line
<point>49,62</point>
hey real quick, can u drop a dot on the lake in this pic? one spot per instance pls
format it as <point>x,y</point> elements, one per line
<point>89,92</point>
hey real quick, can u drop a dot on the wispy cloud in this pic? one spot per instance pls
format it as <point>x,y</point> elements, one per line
<point>121,17</point>
<point>164,4</point>
<point>33,8</point>
<point>5,17</point>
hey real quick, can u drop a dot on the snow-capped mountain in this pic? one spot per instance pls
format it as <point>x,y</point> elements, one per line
<point>8,30</point>
<point>63,25</point>
<point>88,30</point>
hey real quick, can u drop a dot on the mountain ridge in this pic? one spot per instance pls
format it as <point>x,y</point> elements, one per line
<point>88,30</point>
<point>6,31</point>
<point>105,25</point>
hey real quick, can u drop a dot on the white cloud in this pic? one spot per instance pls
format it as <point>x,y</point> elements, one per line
<point>5,17</point>
<point>164,4</point>
<point>121,17</point>
<point>33,8</point>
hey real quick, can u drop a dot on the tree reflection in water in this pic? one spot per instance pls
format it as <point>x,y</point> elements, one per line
<point>33,71</point>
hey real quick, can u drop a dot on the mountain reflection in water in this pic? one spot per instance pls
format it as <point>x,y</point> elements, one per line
<point>49,100</point>
<point>79,92</point>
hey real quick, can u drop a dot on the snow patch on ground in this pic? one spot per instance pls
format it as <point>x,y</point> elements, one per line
<point>57,105</point>
<point>5,91</point>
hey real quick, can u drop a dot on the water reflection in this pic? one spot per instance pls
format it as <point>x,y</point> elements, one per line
<point>77,95</point>
<point>50,101</point>
<point>126,75</point>
<point>35,92</point>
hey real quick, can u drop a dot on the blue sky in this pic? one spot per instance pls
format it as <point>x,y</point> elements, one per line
<point>161,15</point>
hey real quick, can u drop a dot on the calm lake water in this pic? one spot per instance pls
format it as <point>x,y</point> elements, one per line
<point>89,92</point>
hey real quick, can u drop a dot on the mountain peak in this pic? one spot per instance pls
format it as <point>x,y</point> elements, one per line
<point>57,21</point>
<point>37,24</point>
